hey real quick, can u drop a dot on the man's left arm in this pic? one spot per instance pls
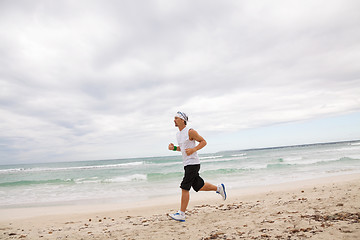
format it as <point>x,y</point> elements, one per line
<point>194,135</point>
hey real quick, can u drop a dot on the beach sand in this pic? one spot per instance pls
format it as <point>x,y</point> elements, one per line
<point>325,208</point>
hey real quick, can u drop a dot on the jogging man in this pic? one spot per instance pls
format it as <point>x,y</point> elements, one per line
<point>187,138</point>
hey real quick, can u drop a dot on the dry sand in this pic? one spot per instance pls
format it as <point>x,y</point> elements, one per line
<point>326,208</point>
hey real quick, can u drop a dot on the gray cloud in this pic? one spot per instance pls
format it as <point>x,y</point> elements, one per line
<point>92,80</point>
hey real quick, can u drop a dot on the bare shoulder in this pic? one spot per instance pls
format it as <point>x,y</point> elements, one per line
<point>191,130</point>
<point>193,134</point>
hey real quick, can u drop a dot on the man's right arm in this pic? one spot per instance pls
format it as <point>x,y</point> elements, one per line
<point>171,147</point>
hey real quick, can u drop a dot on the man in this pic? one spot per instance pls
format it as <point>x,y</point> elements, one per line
<point>187,138</point>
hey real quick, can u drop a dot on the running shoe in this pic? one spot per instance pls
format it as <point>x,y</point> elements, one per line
<point>221,191</point>
<point>178,217</point>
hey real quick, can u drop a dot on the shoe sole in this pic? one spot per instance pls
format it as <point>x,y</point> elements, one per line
<point>177,219</point>
<point>223,186</point>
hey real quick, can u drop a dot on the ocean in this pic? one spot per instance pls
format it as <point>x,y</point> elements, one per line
<point>139,179</point>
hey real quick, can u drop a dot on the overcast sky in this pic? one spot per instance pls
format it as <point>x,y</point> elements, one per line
<point>88,80</point>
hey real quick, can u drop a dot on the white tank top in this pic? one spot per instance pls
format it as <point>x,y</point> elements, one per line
<point>184,143</point>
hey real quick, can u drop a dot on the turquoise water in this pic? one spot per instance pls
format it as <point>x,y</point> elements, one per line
<point>137,179</point>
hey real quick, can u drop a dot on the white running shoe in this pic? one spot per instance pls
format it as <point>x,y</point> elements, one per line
<point>178,217</point>
<point>221,191</point>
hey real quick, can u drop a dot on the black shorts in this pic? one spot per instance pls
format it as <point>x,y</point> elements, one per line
<point>192,178</point>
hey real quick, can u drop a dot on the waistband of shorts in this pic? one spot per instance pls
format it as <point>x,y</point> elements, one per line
<point>194,165</point>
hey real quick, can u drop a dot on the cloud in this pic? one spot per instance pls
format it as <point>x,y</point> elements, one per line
<point>93,80</point>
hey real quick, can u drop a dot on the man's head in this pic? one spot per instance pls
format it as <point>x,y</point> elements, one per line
<point>180,118</point>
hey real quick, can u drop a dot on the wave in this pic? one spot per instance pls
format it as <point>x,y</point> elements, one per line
<point>340,160</point>
<point>282,164</point>
<point>36,182</point>
<point>165,163</point>
<point>347,149</point>
<point>39,169</point>
<point>130,178</point>
<point>279,165</point>
<point>223,171</point>
<point>93,180</point>
<point>164,176</point>
<point>238,155</point>
<point>307,160</point>
<point>210,157</point>
<point>223,159</point>
<point>252,168</point>
<point>291,159</point>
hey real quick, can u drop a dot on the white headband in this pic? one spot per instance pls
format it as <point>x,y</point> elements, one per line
<point>183,116</point>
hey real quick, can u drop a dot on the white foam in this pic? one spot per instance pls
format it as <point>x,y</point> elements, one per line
<point>130,178</point>
<point>210,157</point>
<point>39,169</point>
<point>239,155</point>
<point>223,159</point>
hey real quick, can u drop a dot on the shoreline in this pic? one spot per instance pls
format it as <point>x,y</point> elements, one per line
<point>302,209</point>
<point>14,213</point>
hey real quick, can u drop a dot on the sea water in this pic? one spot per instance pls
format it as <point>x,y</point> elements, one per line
<point>138,179</point>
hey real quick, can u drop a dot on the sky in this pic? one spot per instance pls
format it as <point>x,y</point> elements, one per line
<point>90,80</point>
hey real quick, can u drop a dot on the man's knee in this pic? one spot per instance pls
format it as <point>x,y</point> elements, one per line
<point>185,191</point>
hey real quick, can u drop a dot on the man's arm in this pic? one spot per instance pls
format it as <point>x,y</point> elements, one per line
<point>171,147</point>
<point>193,135</point>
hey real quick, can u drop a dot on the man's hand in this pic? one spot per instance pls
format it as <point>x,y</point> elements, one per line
<point>171,146</point>
<point>190,151</point>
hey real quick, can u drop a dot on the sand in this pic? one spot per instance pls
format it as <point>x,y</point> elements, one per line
<point>326,208</point>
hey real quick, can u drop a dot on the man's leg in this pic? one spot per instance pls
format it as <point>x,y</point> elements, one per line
<point>219,189</point>
<point>180,215</point>
<point>185,197</point>
<point>208,187</point>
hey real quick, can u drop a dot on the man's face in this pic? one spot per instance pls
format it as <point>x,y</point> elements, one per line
<point>178,121</point>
